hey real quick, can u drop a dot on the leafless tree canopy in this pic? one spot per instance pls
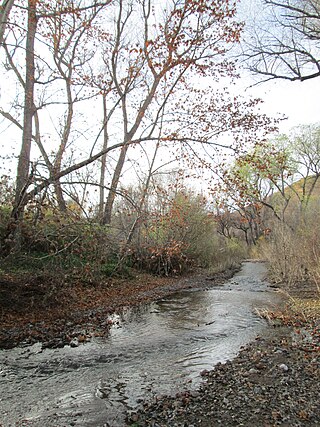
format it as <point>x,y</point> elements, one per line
<point>287,44</point>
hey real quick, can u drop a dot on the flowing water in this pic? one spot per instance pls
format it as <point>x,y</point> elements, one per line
<point>157,348</point>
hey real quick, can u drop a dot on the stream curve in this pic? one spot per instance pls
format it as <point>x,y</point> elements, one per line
<point>156,348</point>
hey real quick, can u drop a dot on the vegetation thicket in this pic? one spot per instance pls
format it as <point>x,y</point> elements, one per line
<point>171,238</point>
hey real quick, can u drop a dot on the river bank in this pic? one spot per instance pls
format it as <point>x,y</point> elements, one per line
<point>35,309</point>
<point>274,381</point>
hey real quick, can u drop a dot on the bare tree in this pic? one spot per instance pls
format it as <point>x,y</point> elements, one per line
<point>286,44</point>
<point>149,67</point>
<point>23,170</point>
<point>63,32</point>
<point>69,56</point>
<point>31,75</point>
<point>103,159</point>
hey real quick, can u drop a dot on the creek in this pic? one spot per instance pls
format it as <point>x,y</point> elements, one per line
<point>157,348</point>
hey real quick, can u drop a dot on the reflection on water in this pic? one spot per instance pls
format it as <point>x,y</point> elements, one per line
<point>157,348</point>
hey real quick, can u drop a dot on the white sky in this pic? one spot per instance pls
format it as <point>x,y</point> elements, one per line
<point>298,101</point>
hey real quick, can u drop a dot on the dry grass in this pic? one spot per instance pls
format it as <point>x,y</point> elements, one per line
<point>308,308</point>
<point>297,312</point>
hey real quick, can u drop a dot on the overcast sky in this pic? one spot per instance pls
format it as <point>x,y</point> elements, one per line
<point>299,101</point>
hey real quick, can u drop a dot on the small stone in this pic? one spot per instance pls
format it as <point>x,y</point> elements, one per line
<point>134,417</point>
<point>283,367</point>
<point>74,343</point>
<point>194,393</point>
<point>260,366</point>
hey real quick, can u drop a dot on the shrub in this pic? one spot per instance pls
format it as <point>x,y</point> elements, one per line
<point>183,236</point>
<point>5,211</point>
<point>162,260</point>
<point>66,245</point>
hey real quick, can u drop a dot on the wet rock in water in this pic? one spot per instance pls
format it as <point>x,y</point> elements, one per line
<point>133,417</point>
<point>102,394</point>
<point>103,390</point>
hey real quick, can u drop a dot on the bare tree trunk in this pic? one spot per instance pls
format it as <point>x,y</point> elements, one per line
<point>128,137</point>
<point>65,137</point>
<point>23,170</point>
<point>103,160</point>
<point>143,197</point>
<point>24,157</point>
<point>5,9</point>
<point>114,185</point>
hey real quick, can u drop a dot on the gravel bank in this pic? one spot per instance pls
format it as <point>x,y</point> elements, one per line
<point>273,382</point>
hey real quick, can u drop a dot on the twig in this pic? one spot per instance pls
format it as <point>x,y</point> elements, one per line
<point>59,251</point>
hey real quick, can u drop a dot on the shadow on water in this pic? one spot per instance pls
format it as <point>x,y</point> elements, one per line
<point>158,348</point>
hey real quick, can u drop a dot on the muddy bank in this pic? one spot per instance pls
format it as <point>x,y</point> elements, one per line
<point>55,313</point>
<point>274,381</point>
